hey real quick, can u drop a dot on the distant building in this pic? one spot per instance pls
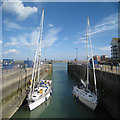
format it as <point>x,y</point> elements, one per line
<point>119,49</point>
<point>96,57</point>
<point>103,57</point>
<point>115,49</point>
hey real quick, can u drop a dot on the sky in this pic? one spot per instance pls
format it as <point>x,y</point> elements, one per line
<point>64,29</point>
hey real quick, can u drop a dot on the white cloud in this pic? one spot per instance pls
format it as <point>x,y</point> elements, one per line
<point>24,40</point>
<point>30,40</point>
<point>11,51</point>
<point>50,25</point>
<point>50,37</point>
<point>80,40</point>
<point>84,41</point>
<point>34,37</point>
<point>13,42</point>
<point>1,42</point>
<point>18,8</point>
<point>12,26</point>
<point>77,42</point>
<point>106,24</point>
<point>105,48</point>
<point>66,38</point>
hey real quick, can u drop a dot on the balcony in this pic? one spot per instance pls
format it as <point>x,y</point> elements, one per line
<point>114,46</point>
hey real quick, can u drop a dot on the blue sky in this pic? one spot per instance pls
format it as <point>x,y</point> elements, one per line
<point>64,28</point>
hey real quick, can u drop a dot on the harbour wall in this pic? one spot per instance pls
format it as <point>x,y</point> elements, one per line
<point>15,87</point>
<point>108,86</point>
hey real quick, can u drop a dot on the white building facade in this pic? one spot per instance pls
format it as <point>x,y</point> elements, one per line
<point>115,49</point>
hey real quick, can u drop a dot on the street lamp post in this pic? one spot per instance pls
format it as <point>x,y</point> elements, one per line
<point>76,54</point>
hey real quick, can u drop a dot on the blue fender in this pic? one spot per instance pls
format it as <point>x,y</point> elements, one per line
<point>45,98</point>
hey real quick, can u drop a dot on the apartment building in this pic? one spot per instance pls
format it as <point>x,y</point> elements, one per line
<point>115,48</point>
<point>96,57</point>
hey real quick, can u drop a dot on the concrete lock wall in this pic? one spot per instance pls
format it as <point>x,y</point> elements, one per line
<point>108,86</point>
<point>13,88</point>
<point>13,81</point>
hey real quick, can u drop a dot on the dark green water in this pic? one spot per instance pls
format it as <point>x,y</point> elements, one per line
<point>62,104</point>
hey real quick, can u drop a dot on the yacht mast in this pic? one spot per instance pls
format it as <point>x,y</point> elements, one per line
<point>37,56</point>
<point>41,30</point>
<point>92,59</point>
<point>87,53</point>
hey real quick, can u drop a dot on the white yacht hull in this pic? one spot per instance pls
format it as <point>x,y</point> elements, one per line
<point>83,96</point>
<point>38,102</point>
<point>38,98</point>
<point>90,104</point>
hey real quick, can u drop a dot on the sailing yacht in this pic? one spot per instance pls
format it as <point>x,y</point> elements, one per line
<point>40,90</point>
<point>82,91</point>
